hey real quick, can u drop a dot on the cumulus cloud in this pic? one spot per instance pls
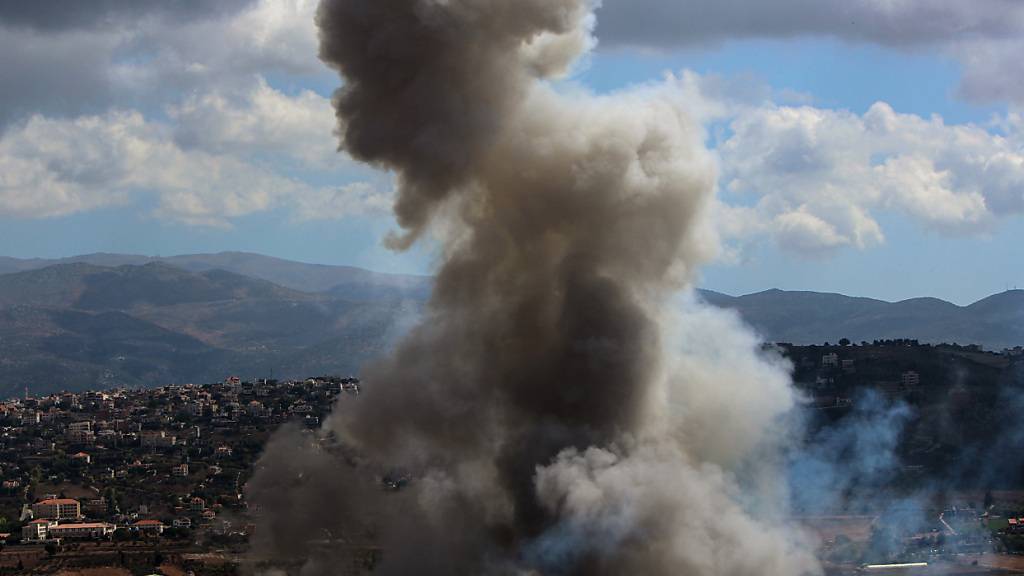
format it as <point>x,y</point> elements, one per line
<point>73,58</point>
<point>982,34</point>
<point>260,121</point>
<point>74,137</point>
<point>815,179</point>
<point>55,167</point>
<point>268,36</point>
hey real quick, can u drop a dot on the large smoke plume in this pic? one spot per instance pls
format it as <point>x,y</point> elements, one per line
<point>559,410</point>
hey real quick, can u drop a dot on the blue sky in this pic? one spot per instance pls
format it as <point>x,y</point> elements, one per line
<point>230,148</point>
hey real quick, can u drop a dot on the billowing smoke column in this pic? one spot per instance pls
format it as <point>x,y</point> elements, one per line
<point>554,411</point>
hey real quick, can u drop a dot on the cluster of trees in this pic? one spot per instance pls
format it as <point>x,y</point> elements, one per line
<point>892,342</point>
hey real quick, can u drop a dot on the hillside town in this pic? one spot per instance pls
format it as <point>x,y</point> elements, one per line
<point>160,468</point>
<point>154,480</point>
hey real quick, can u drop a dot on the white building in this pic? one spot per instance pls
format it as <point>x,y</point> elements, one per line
<point>36,530</point>
<point>85,530</point>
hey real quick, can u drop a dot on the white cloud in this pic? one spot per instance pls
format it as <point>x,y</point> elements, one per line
<point>814,179</point>
<point>229,145</point>
<point>261,121</point>
<point>333,203</point>
<point>55,167</point>
<point>151,55</point>
<point>267,36</point>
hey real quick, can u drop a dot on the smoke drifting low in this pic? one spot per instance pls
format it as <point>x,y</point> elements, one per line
<point>555,411</point>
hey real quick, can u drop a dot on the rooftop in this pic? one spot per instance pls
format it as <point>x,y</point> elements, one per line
<point>58,501</point>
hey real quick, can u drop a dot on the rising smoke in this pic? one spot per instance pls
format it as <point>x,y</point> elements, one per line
<point>556,412</point>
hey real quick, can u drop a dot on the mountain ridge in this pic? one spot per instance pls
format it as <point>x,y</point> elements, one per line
<point>292,274</point>
<point>95,321</point>
<point>221,260</point>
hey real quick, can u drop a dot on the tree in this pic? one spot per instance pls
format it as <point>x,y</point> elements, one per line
<point>51,548</point>
<point>844,342</point>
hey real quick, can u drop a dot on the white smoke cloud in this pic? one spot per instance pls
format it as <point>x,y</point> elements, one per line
<point>687,512</point>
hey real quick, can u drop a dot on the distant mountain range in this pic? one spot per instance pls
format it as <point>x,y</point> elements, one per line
<point>96,322</point>
<point>348,281</point>
<point>104,320</point>
<point>995,322</point>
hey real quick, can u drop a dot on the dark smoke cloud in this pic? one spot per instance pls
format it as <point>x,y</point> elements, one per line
<point>552,413</point>
<point>62,15</point>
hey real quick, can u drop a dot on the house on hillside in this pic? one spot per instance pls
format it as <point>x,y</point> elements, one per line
<point>151,527</point>
<point>57,509</point>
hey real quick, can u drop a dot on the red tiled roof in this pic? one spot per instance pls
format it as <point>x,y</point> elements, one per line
<point>83,525</point>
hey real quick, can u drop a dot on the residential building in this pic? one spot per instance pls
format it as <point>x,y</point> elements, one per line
<point>57,509</point>
<point>182,522</point>
<point>36,530</point>
<point>158,439</point>
<point>83,426</point>
<point>83,530</point>
<point>911,379</point>
<point>154,527</point>
<point>95,507</point>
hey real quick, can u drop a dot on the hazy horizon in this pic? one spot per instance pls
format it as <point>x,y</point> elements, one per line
<point>427,275</point>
